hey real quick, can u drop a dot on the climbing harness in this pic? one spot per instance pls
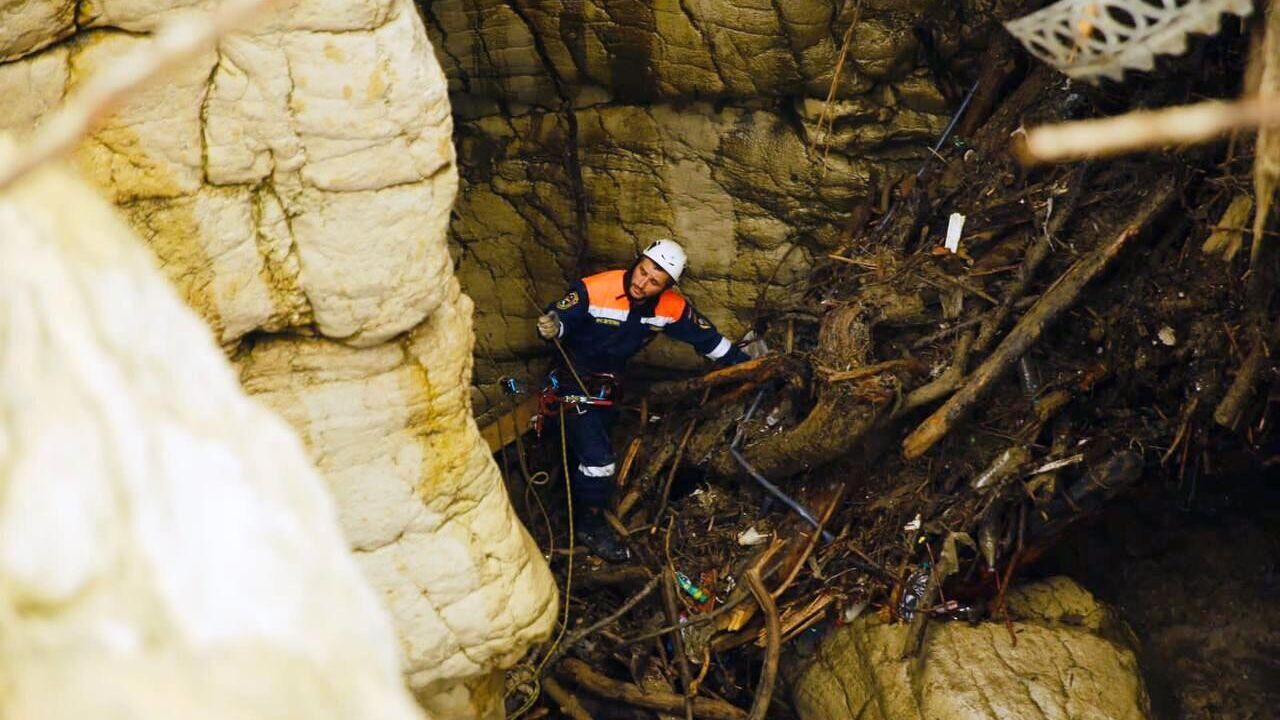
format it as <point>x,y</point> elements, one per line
<point>600,390</point>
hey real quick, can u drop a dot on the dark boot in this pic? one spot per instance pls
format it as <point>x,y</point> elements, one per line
<point>594,532</point>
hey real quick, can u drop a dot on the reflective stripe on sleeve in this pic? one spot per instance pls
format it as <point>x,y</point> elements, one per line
<point>658,321</point>
<point>597,470</point>
<point>720,350</point>
<point>606,312</point>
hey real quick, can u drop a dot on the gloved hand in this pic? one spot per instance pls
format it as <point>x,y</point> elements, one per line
<point>754,347</point>
<point>549,326</point>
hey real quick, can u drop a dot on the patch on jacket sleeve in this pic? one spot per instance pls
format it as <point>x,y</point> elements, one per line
<point>701,322</point>
<point>568,301</point>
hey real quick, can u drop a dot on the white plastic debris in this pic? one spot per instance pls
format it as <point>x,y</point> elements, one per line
<point>751,536</point>
<point>852,611</point>
<point>914,525</point>
<point>1167,336</point>
<point>1088,39</point>
<point>954,227</point>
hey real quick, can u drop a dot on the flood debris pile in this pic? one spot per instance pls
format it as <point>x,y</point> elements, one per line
<point>993,354</point>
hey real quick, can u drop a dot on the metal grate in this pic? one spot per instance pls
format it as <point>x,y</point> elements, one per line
<point>1087,39</point>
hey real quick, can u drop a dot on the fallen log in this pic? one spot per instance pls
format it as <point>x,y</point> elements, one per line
<point>757,370</point>
<point>1061,296</point>
<point>606,687</point>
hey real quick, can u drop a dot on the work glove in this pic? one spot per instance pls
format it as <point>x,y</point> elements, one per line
<point>549,326</point>
<point>753,346</point>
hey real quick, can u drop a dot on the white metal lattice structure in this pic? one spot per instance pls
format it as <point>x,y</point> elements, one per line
<point>1088,39</point>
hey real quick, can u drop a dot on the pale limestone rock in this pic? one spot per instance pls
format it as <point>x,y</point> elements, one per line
<point>306,118</point>
<point>206,243</point>
<point>298,180</point>
<point>1061,667</point>
<point>29,25</point>
<point>422,502</point>
<point>150,147</point>
<point>32,87</point>
<point>165,548</point>
<point>283,16</point>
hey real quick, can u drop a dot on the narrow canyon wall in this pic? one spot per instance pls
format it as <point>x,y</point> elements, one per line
<point>295,185</point>
<point>587,129</point>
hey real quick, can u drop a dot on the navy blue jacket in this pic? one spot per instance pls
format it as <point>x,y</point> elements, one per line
<point>602,328</point>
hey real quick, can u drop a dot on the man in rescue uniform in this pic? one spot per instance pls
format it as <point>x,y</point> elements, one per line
<point>601,322</point>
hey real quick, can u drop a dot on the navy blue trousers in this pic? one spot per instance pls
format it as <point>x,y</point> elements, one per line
<point>591,460</point>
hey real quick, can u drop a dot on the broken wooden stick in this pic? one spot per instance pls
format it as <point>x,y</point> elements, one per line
<point>1036,254</point>
<point>566,701</point>
<point>606,621</point>
<point>758,369</point>
<point>773,645</point>
<point>1058,298</point>
<point>671,474</point>
<point>606,687</point>
<point>669,605</point>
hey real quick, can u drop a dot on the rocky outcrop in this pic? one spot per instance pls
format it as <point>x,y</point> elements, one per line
<point>166,548</point>
<point>295,185</point>
<point>1071,659</point>
<point>588,129</point>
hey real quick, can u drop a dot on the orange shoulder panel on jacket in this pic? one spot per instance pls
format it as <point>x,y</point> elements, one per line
<point>605,289</point>
<point>670,305</point>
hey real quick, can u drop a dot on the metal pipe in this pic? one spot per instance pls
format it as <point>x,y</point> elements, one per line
<point>796,507</point>
<point>946,135</point>
<point>773,490</point>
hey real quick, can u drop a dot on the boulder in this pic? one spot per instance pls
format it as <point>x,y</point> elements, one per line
<point>1071,659</point>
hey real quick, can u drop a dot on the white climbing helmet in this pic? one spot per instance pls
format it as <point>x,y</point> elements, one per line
<point>669,256</point>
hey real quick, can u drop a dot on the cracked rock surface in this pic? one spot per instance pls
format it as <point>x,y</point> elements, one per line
<point>1071,659</point>
<point>589,129</point>
<point>166,548</point>
<point>295,185</point>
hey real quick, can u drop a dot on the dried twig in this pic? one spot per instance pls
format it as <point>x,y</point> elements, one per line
<point>1035,255</point>
<point>671,474</point>
<point>610,619</point>
<point>773,644</point>
<point>173,43</point>
<point>565,700</point>
<point>682,660</point>
<point>606,687</point>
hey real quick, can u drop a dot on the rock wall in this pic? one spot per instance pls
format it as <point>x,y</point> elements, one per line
<point>1071,659</point>
<point>295,185</point>
<point>166,548</point>
<point>588,129</point>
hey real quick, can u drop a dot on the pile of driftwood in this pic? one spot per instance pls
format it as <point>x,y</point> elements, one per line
<point>937,414</point>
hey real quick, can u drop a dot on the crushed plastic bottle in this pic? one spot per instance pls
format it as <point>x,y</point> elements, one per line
<point>698,594</point>
<point>917,582</point>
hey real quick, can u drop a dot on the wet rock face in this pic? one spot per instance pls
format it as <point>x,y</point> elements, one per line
<point>1072,659</point>
<point>295,185</point>
<point>589,129</point>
